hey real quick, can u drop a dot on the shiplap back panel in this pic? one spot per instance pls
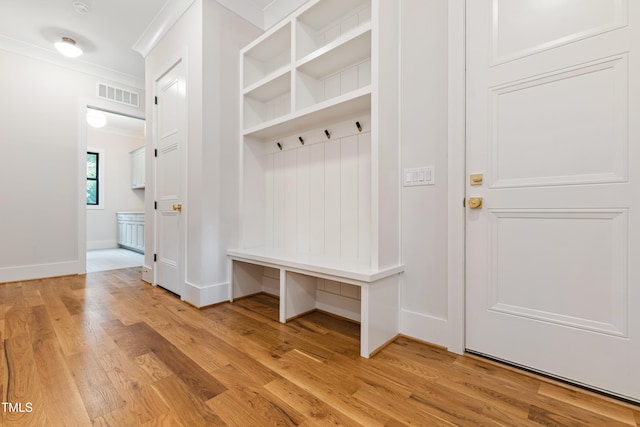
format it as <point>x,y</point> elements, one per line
<point>318,199</point>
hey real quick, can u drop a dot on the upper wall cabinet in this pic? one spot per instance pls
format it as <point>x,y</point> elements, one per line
<point>137,168</point>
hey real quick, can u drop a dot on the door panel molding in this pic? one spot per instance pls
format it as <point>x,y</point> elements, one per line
<point>511,26</point>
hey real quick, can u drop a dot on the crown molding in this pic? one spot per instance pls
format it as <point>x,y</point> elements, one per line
<point>247,10</point>
<point>53,57</point>
<point>160,25</point>
<point>279,9</point>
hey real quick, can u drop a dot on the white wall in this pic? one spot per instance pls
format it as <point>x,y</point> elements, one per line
<point>211,36</point>
<point>424,143</point>
<point>118,196</point>
<point>40,188</point>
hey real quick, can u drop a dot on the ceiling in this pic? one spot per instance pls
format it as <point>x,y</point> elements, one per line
<point>106,33</point>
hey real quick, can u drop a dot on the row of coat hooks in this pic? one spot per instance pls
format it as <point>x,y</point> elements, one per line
<point>326,132</point>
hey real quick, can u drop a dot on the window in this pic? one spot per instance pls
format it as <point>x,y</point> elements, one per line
<point>93,178</point>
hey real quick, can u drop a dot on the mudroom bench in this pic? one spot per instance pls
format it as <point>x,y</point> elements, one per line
<point>379,294</point>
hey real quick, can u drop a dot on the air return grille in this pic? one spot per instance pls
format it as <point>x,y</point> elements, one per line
<point>119,95</point>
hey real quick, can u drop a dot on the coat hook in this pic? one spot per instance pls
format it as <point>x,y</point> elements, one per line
<point>326,132</point>
<point>301,140</point>
<point>359,127</point>
<point>279,145</point>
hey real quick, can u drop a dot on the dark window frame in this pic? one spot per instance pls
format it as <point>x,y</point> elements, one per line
<point>96,179</point>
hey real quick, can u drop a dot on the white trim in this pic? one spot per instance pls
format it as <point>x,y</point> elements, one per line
<point>170,13</point>
<point>147,274</point>
<point>39,271</point>
<point>205,295</point>
<point>424,327</point>
<point>277,10</point>
<point>247,10</point>
<point>456,176</point>
<point>93,245</point>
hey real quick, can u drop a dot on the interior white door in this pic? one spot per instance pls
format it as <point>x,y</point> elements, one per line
<point>553,100</point>
<point>170,143</point>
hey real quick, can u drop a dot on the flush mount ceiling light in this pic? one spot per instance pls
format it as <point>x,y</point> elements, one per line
<point>96,119</point>
<point>68,47</point>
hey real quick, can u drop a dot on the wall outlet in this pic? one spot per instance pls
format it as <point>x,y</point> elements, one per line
<point>418,176</point>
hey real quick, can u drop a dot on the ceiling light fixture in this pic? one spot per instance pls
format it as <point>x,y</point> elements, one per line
<point>68,47</point>
<point>96,119</point>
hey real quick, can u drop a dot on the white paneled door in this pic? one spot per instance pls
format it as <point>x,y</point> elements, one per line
<point>553,115</point>
<point>170,139</point>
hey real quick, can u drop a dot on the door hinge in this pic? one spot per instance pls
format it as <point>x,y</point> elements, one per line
<point>464,202</point>
<point>155,205</point>
<point>155,257</point>
<point>155,152</point>
<point>156,100</point>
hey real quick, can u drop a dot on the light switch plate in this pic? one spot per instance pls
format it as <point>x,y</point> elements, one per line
<point>418,176</point>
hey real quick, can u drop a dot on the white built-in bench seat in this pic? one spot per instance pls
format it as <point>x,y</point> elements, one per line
<point>379,297</point>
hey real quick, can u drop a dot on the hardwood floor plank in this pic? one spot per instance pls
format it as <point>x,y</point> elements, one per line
<point>40,326</point>
<point>71,338</point>
<point>61,397</point>
<point>152,366</point>
<point>15,321</point>
<point>594,404</point>
<point>201,383</point>
<point>335,390</point>
<point>190,409</point>
<point>143,403</point>
<point>96,390</point>
<point>125,339</point>
<point>315,410</point>
<point>166,420</point>
<point>406,410</point>
<point>108,349</point>
<point>23,385</point>
<point>263,407</point>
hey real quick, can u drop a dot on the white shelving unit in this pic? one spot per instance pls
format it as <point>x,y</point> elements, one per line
<point>320,174</point>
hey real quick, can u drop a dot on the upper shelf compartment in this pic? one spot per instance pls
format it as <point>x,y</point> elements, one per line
<point>268,56</point>
<point>329,21</point>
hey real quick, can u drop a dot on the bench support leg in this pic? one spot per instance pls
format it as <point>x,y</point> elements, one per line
<point>297,294</point>
<point>380,316</point>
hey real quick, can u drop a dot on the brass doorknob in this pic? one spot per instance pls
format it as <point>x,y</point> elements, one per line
<point>177,207</point>
<point>475,202</point>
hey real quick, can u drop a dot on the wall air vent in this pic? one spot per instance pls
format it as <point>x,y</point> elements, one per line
<point>119,95</point>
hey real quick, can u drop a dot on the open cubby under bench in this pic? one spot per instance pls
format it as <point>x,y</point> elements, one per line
<point>379,295</point>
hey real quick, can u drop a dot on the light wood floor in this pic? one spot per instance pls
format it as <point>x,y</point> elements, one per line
<point>108,349</point>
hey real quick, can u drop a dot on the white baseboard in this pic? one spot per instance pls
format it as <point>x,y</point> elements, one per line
<point>93,245</point>
<point>147,274</point>
<point>338,305</point>
<point>426,328</point>
<point>206,295</point>
<point>39,271</point>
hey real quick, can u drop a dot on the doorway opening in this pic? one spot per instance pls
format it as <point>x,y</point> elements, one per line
<point>115,190</point>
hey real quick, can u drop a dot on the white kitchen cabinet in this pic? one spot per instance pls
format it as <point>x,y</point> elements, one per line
<point>138,168</point>
<point>131,230</point>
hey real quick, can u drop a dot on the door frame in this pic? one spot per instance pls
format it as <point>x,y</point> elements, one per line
<point>456,150</point>
<point>84,103</point>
